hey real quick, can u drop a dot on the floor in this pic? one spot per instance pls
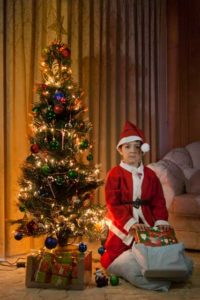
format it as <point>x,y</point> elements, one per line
<point>12,287</point>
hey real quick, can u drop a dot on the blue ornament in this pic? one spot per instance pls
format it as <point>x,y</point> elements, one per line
<point>82,247</point>
<point>51,242</point>
<point>101,250</point>
<point>58,95</point>
<point>18,236</point>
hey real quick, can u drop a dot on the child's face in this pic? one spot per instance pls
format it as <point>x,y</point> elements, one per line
<point>131,153</point>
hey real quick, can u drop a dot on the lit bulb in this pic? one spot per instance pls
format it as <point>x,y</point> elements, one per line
<point>38,163</point>
<point>69,71</point>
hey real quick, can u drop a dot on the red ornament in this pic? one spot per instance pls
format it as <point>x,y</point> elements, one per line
<point>63,100</point>
<point>66,52</point>
<point>58,109</point>
<point>35,148</point>
<point>32,227</point>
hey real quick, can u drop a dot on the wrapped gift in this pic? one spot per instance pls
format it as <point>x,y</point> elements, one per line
<point>74,274</point>
<point>46,261</point>
<point>153,236</point>
<point>59,281</point>
<point>62,269</point>
<point>40,277</point>
<point>66,257</point>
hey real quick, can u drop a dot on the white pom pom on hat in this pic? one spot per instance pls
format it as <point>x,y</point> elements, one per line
<point>145,147</point>
<point>131,133</point>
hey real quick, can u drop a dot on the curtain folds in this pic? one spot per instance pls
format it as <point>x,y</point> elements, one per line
<point>118,58</point>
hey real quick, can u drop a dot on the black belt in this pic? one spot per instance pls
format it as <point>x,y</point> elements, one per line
<point>137,203</point>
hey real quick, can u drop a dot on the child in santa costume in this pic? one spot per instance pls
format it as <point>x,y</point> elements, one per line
<point>134,200</point>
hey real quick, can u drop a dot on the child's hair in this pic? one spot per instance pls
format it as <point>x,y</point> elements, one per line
<point>120,147</point>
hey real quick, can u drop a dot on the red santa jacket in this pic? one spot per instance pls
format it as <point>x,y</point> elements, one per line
<point>119,190</point>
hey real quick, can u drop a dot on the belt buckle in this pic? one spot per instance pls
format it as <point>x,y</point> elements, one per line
<point>136,203</point>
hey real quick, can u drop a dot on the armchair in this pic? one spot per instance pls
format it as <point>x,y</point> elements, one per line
<point>179,174</point>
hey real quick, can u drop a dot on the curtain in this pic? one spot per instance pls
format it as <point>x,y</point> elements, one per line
<point>118,58</point>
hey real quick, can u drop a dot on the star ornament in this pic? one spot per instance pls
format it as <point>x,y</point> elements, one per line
<point>58,27</point>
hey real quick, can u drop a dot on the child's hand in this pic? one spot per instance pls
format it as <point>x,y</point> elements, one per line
<point>136,227</point>
<point>164,227</point>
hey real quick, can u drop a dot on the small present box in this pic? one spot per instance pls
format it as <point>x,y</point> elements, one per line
<point>64,258</point>
<point>155,237</point>
<point>46,261</point>
<point>59,281</point>
<point>40,277</point>
<point>62,269</point>
<point>75,275</point>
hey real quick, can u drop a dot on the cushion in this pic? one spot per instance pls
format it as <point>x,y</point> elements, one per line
<point>194,150</point>
<point>170,175</point>
<point>193,183</point>
<point>188,172</point>
<point>181,157</point>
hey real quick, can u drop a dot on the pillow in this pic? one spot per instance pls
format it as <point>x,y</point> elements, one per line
<point>194,150</point>
<point>193,183</point>
<point>170,175</point>
<point>180,157</point>
<point>188,172</point>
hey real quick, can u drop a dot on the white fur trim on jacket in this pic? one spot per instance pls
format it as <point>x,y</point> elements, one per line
<point>126,239</point>
<point>130,222</point>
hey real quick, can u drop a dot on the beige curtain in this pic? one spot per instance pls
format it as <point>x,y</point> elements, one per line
<point>118,53</point>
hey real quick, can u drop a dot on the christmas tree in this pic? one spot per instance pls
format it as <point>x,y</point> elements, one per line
<point>59,177</point>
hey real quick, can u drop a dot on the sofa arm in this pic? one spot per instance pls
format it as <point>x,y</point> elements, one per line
<point>171,178</point>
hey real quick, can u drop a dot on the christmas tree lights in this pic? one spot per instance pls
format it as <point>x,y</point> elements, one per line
<point>58,176</point>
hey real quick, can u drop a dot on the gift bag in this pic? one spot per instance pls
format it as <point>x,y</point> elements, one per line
<point>166,262</point>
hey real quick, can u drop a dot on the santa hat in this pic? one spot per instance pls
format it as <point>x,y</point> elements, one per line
<point>132,133</point>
